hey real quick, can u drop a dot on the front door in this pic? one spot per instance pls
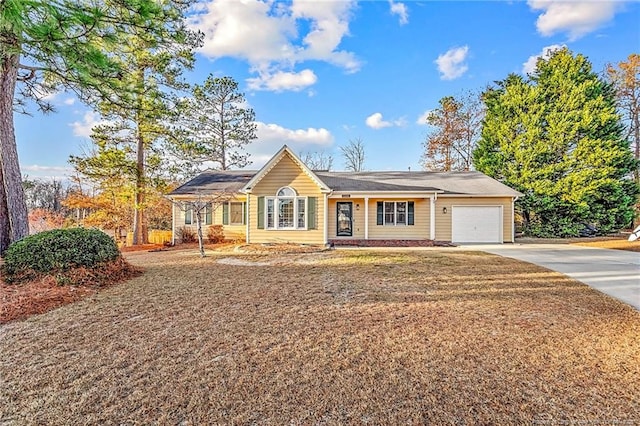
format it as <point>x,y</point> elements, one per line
<point>345,215</point>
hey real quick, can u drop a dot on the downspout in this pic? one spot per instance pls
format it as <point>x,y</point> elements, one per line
<point>366,217</point>
<point>325,231</point>
<point>513,219</point>
<point>248,216</point>
<point>173,222</point>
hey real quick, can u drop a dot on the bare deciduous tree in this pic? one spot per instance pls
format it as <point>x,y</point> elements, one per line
<point>318,160</point>
<point>354,155</point>
<point>626,80</point>
<point>457,123</point>
<point>199,206</point>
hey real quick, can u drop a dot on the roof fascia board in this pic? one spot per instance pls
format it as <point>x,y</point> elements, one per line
<point>476,195</point>
<point>389,194</point>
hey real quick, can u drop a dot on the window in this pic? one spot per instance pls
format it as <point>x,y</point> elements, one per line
<point>206,215</point>
<point>395,213</point>
<point>286,210</point>
<point>236,213</point>
<point>270,213</point>
<point>302,202</point>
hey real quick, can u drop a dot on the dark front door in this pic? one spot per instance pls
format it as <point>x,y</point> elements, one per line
<point>345,216</point>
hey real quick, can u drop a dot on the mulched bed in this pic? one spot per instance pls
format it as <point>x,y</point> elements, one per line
<point>44,293</point>
<point>18,301</point>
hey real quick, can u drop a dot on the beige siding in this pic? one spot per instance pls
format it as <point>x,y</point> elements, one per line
<point>286,173</point>
<point>418,231</point>
<point>443,220</point>
<point>231,232</point>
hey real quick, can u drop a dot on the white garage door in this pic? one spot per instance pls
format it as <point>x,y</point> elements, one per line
<point>476,224</point>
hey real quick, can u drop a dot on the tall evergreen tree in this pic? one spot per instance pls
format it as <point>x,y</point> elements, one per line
<point>136,121</point>
<point>556,137</point>
<point>63,44</point>
<point>214,125</point>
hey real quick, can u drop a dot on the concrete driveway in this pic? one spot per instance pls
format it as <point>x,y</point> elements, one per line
<point>613,272</point>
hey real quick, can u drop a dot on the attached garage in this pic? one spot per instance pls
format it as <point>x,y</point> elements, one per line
<point>476,224</point>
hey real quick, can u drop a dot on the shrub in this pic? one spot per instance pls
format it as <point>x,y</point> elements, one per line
<point>187,235</point>
<point>215,234</point>
<point>57,251</point>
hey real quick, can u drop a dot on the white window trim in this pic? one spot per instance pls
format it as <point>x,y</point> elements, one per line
<point>276,212</point>
<point>395,213</point>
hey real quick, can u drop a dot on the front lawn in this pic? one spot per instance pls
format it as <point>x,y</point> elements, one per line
<point>378,337</point>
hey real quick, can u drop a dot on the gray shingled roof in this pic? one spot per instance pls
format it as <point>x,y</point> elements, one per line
<point>466,183</point>
<point>463,183</point>
<point>211,181</point>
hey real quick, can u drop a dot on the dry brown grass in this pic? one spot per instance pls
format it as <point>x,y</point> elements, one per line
<point>616,244</point>
<point>341,337</point>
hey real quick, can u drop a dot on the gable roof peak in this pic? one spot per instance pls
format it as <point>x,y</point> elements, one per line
<point>285,150</point>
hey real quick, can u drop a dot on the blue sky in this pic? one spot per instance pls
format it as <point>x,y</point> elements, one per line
<point>319,73</point>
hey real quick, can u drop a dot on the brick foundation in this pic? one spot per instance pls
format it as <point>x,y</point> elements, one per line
<point>390,243</point>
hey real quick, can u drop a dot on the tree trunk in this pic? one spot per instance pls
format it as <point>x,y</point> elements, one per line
<point>198,210</point>
<point>139,236</point>
<point>4,220</point>
<point>14,219</point>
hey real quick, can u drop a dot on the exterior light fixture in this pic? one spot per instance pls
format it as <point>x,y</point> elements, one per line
<point>357,206</point>
<point>444,210</point>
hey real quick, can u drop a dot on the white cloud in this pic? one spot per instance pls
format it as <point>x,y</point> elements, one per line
<point>451,63</point>
<point>58,173</point>
<point>273,37</point>
<point>376,121</point>
<point>329,23</point>
<point>89,121</point>
<point>46,169</point>
<point>530,66</point>
<point>401,10</point>
<point>309,136</point>
<point>281,80</point>
<point>69,101</point>
<point>577,18</point>
<point>422,119</point>
<point>271,137</point>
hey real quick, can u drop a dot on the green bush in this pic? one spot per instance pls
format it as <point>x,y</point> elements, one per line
<point>58,250</point>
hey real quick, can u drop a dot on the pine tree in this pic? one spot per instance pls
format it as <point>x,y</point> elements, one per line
<point>136,121</point>
<point>64,45</point>
<point>557,138</point>
<point>214,126</point>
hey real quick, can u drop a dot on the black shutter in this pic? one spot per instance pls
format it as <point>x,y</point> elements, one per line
<point>380,215</point>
